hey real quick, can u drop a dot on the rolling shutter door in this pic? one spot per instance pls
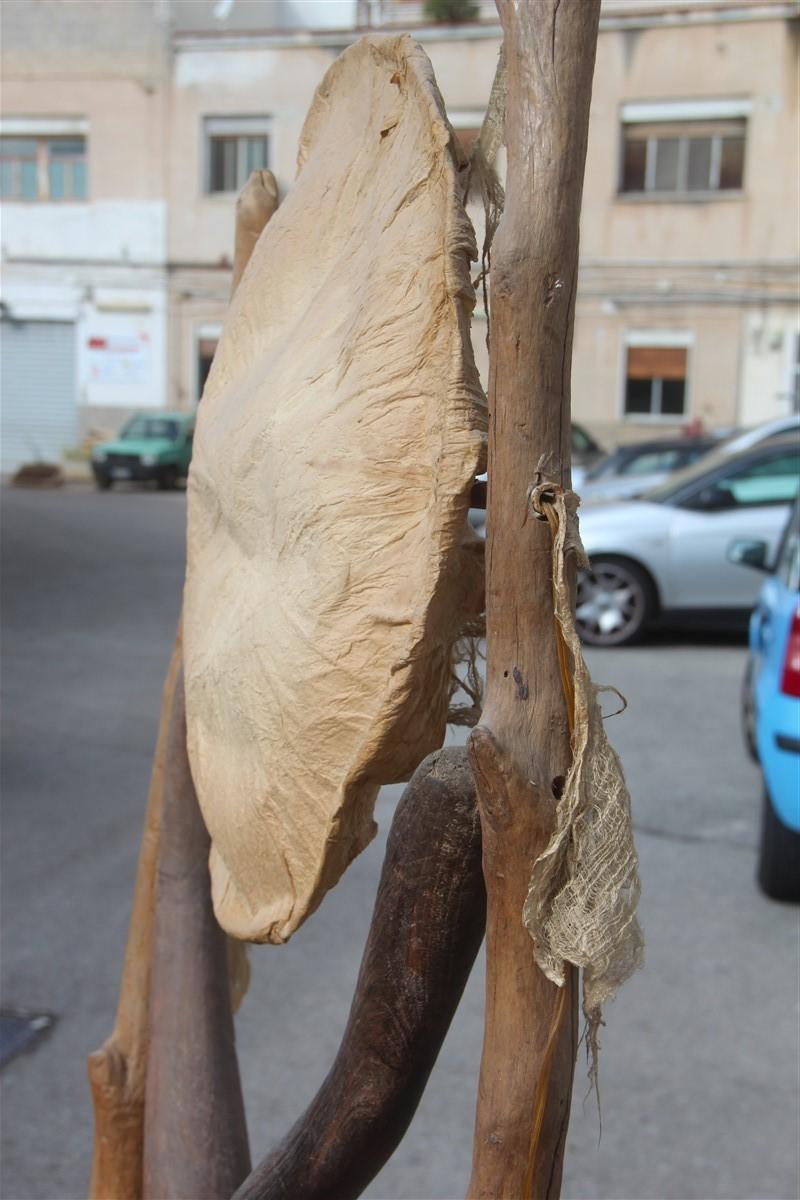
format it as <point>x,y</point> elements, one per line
<point>37,391</point>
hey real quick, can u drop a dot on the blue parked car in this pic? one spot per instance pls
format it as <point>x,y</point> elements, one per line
<point>771,707</point>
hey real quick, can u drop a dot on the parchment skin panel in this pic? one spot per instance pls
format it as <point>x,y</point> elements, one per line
<point>330,566</point>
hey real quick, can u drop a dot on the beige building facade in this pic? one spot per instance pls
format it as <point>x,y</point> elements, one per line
<point>712,269</point>
<point>83,278</point>
<point>687,306</point>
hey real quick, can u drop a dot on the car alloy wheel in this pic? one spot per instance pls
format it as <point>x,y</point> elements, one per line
<point>613,603</point>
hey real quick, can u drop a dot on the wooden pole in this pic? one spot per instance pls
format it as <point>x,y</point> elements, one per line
<point>520,752</point>
<point>195,1134</point>
<point>255,204</point>
<point>117,1070</point>
<point>426,929</point>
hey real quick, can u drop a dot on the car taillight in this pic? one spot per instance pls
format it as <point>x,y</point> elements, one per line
<point>790,680</point>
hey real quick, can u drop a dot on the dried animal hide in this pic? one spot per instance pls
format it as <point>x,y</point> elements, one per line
<point>330,564</point>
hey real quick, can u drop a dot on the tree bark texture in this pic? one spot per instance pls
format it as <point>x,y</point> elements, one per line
<point>195,1142</point>
<point>426,928</point>
<point>117,1070</point>
<point>521,749</point>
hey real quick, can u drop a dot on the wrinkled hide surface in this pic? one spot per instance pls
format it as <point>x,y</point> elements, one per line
<point>329,563</point>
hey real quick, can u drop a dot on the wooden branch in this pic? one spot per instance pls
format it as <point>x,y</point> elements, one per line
<point>195,1136</point>
<point>195,1143</point>
<point>426,929</point>
<point>255,204</point>
<point>521,749</point>
<point>117,1069</point>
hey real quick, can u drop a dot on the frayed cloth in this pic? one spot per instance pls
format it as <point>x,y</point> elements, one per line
<point>584,887</point>
<point>482,178</point>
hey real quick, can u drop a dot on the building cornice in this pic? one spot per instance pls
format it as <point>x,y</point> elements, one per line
<point>628,18</point>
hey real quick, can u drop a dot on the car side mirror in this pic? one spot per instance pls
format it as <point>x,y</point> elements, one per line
<point>747,553</point>
<point>711,499</point>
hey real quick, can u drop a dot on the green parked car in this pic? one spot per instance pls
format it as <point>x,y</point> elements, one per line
<point>157,446</point>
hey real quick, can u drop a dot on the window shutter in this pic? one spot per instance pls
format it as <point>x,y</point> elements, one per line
<point>656,362</point>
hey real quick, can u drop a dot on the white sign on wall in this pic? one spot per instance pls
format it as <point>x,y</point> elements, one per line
<point>119,360</point>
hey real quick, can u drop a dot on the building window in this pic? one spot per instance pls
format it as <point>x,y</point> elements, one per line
<point>680,148</point>
<point>43,168</point>
<point>655,381</point>
<point>234,147</point>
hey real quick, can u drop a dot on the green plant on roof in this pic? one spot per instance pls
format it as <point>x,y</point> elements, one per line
<point>451,11</point>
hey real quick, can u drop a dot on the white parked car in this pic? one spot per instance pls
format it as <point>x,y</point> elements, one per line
<point>664,557</point>
<point>747,438</point>
<point>634,469</point>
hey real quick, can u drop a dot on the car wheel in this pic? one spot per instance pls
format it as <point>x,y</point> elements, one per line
<point>779,856</point>
<point>614,602</point>
<point>104,482</point>
<point>749,712</point>
<point>168,479</point>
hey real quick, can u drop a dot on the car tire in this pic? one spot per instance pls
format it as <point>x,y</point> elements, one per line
<point>779,856</point>
<point>615,602</point>
<point>168,479</point>
<point>104,483</point>
<point>748,709</point>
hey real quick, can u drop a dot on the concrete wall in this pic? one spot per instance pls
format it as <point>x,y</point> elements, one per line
<point>84,39</point>
<point>754,60</point>
<point>706,269</point>
<point>99,263</point>
<point>598,375</point>
<point>120,327</point>
<point>147,256</point>
<point>124,215</point>
<point>265,82</point>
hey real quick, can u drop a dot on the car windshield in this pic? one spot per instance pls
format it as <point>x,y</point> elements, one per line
<point>151,427</point>
<point>781,489</point>
<point>664,492</point>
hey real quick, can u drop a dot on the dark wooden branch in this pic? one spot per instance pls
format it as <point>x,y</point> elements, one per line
<point>522,743</point>
<point>195,1135</point>
<point>426,929</point>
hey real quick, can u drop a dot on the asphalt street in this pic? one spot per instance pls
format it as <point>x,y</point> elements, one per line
<point>699,1063</point>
